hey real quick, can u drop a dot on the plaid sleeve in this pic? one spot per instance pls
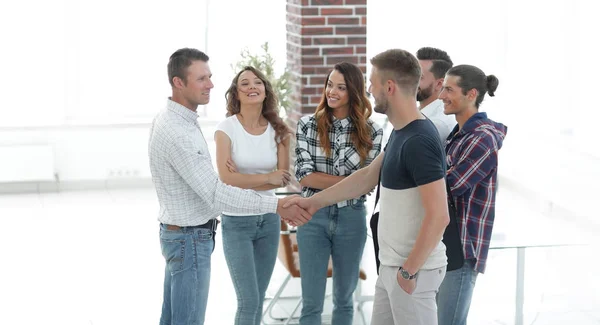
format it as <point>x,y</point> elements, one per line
<point>305,164</point>
<point>478,158</point>
<point>377,137</point>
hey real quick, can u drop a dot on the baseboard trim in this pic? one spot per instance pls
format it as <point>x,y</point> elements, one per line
<point>78,185</point>
<point>545,204</point>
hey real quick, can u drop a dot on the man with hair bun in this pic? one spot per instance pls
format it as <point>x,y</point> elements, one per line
<point>472,160</point>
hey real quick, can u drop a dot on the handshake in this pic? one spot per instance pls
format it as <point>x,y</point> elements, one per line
<point>296,210</point>
<point>293,209</point>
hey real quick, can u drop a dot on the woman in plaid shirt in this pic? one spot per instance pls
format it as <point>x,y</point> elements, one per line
<point>331,144</point>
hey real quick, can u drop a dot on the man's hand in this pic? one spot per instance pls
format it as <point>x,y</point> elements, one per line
<point>305,203</point>
<point>407,285</point>
<point>291,213</point>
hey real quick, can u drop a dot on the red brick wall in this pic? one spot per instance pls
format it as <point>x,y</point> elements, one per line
<point>321,33</point>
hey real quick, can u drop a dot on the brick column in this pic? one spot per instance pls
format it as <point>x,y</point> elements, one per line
<point>321,33</point>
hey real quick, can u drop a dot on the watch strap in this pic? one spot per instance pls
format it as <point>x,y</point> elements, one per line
<point>410,276</point>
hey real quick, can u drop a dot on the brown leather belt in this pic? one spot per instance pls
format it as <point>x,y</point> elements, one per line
<point>211,224</point>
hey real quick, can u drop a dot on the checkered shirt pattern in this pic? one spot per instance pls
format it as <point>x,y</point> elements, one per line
<point>310,157</point>
<point>188,188</point>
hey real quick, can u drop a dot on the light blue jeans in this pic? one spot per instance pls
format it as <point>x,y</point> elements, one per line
<point>454,296</point>
<point>341,234</point>
<point>250,245</point>
<point>187,274</point>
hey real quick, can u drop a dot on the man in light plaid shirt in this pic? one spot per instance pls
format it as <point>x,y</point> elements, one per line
<point>190,193</point>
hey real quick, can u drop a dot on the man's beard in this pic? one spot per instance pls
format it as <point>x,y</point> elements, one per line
<point>381,106</point>
<point>423,94</point>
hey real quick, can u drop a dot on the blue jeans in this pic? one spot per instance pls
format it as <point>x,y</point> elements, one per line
<point>250,245</point>
<point>187,274</point>
<point>341,234</point>
<point>454,296</point>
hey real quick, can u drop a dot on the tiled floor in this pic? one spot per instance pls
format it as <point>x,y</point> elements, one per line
<point>93,258</point>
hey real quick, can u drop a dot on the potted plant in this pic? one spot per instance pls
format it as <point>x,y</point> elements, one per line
<point>265,62</point>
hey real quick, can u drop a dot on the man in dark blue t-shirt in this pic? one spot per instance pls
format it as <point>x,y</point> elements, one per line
<point>414,211</point>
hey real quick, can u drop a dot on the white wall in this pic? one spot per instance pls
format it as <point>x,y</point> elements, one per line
<point>68,65</point>
<point>544,54</point>
<point>87,77</point>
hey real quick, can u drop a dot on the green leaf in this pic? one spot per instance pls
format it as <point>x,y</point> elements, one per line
<point>265,62</point>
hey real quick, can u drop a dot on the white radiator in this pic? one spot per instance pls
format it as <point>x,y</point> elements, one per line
<point>26,163</point>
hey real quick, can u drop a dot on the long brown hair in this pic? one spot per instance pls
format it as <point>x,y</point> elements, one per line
<point>359,111</point>
<point>270,107</point>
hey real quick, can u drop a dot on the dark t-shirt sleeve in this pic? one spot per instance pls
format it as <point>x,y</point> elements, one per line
<point>424,159</point>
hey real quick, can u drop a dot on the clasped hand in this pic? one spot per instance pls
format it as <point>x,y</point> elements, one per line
<point>296,210</point>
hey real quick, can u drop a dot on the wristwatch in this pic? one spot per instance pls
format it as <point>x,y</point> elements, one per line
<point>405,275</point>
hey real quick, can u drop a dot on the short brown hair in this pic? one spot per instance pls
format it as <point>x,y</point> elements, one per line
<point>400,66</point>
<point>440,60</point>
<point>181,60</point>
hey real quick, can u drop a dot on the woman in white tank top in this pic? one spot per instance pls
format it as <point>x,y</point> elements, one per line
<point>252,153</point>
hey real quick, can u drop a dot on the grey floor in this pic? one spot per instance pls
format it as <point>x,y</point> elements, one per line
<point>93,258</point>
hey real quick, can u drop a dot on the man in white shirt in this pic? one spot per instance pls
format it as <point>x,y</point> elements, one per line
<point>190,193</point>
<point>434,65</point>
